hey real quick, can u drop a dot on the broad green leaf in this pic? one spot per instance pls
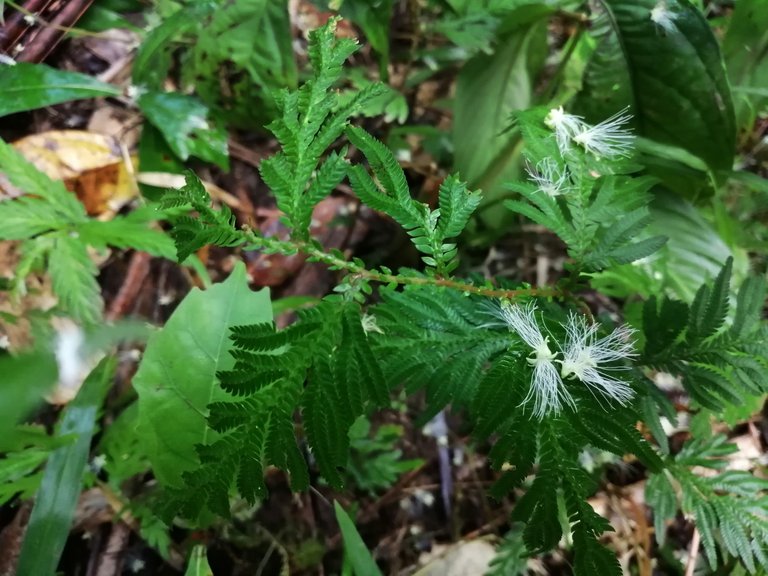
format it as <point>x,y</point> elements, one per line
<point>187,127</point>
<point>100,18</point>
<point>177,377</point>
<point>23,381</point>
<point>56,500</point>
<point>355,551</point>
<point>374,18</point>
<point>156,156</point>
<point>694,253</point>
<point>488,89</point>
<point>153,60</point>
<point>745,49</point>
<point>662,60</point>
<point>31,86</point>
<point>678,169</point>
<point>292,303</point>
<point>198,562</point>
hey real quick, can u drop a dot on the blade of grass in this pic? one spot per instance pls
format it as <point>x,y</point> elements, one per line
<point>355,551</point>
<point>60,488</point>
<point>198,562</point>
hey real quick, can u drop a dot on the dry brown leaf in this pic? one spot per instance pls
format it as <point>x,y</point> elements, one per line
<point>94,166</point>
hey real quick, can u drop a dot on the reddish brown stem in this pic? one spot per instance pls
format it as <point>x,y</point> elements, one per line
<point>44,42</point>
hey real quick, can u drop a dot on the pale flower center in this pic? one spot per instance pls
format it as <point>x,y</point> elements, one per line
<point>542,354</point>
<point>577,366</point>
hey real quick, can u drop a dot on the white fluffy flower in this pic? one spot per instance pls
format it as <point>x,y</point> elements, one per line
<point>69,354</point>
<point>548,177</point>
<point>584,354</point>
<point>547,389</point>
<point>663,17</point>
<point>566,127</point>
<point>609,138</point>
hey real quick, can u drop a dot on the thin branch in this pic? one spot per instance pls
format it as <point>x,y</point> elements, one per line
<point>693,555</point>
<point>356,270</point>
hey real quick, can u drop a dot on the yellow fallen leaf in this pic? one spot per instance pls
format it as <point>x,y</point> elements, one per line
<point>94,166</point>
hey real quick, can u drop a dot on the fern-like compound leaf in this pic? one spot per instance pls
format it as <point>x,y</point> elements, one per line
<point>324,365</point>
<point>718,366</point>
<point>444,327</point>
<point>387,191</point>
<point>511,556</point>
<point>456,206</point>
<point>499,394</point>
<point>345,382</point>
<point>217,227</point>
<point>309,121</point>
<point>662,323</point>
<point>729,508</point>
<point>543,210</point>
<point>515,453</point>
<point>616,434</point>
<point>614,246</point>
<point>710,306</point>
<point>73,275</point>
<point>749,305</point>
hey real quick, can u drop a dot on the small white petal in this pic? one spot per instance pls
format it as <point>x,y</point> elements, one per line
<point>548,177</point>
<point>618,345</point>
<point>584,353</point>
<point>370,325</point>
<point>521,319</point>
<point>566,127</point>
<point>547,390</point>
<point>609,138</point>
<point>609,387</point>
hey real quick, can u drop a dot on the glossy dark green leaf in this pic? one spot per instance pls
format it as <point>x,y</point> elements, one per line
<point>29,86</point>
<point>156,156</point>
<point>662,60</point>
<point>187,126</point>
<point>177,377</point>
<point>56,500</point>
